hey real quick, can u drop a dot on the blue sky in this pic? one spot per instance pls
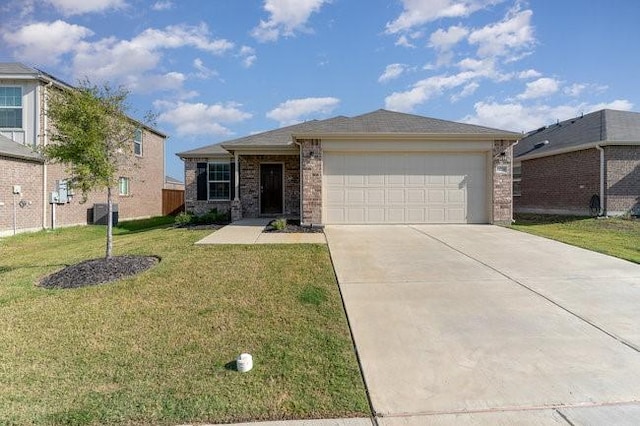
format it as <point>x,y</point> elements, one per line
<point>214,70</point>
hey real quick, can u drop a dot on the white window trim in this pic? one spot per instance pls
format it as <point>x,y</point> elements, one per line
<point>218,181</point>
<point>517,179</point>
<point>13,107</point>
<point>141,143</point>
<point>123,179</point>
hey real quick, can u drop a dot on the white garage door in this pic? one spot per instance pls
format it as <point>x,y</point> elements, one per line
<point>405,188</point>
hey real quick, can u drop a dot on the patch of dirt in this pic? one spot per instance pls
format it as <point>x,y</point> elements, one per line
<point>99,271</point>
<point>293,226</point>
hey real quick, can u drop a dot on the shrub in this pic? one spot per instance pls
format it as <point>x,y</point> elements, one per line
<point>183,218</point>
<point>279,224</point>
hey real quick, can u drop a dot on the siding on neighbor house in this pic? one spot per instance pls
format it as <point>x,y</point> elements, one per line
<point>559,184</point>
<point>622,179</point>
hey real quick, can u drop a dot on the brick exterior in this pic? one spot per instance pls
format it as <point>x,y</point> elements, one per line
<point>146,180</point>
<point>311,154</point>
<point>559,184</point>
<point>502,199</point>
<point>191,202</point>
<point>28,175</point>
<point>622,171</point>
<point>250,183</point>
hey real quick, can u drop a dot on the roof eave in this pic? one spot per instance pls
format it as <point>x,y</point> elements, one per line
<point>566,150</point>
<point>410,136</point>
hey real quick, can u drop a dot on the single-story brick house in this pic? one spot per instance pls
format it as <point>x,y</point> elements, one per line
<point>380,167</point>
<point>558,169</point>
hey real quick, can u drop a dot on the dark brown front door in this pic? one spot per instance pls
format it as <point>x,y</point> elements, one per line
<point>271,188</point>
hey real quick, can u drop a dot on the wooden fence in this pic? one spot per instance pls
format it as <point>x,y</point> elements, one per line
<point>172,201</point>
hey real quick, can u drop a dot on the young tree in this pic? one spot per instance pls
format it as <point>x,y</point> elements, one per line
<point>92,136</point>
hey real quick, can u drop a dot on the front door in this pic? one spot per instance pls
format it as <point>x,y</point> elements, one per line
<point>271,188</point>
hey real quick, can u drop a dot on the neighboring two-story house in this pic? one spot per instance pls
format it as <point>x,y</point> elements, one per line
<point>33,193</point>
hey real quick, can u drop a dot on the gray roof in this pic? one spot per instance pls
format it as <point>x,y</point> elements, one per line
<point>215,149</point>
<point>16,68</point>
<point>381,122</point>
<point>171,179</point>
<point>607,126</point>
<point>9,148</point>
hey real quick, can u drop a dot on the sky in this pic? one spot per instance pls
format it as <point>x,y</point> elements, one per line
<point>215,70</point>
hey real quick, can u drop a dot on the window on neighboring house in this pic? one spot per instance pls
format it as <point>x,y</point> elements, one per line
<point>123,186</point>
<point>219,181</point>
<point>10,107</point>
<point>137,142</point>
<point>517,177</point>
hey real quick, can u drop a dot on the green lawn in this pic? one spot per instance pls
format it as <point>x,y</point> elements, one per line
<point>158,348</point>
<point>612,236</point>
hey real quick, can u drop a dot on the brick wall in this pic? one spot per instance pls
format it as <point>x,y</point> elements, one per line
<point>146,180</point>
<point>622,171</point>
<point>502,198</point>
<point>250,183</point>
<point>28,175</point>
<point>311,154</point>
<point>191,202</point>
<point>560,184</point>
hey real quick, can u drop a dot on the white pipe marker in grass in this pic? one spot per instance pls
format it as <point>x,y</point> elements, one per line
<point>244,363</point>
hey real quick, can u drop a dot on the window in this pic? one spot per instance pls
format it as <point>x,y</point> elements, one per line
<point>137,142</point>
<point>123,186</point>
<point>517,177</point>
<point>219,181</point>
<point>10,107</point>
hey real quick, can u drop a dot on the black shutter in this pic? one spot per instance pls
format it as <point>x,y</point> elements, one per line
<point>232,181</point>
<point>201,173</point>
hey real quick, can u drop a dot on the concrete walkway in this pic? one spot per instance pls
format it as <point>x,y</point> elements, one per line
<point>249,231</point>
<point>482,325</point>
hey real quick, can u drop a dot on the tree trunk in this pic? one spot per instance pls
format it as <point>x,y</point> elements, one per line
<point>109,223</point>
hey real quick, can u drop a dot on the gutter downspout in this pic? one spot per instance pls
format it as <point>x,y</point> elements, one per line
<point>45,137</point>
<point>513,220</point>
<point>300,175</point>
<point>602,211</point>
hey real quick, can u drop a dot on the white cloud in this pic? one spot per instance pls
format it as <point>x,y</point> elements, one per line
<point>286,17</point>
<point>420,12</point>
<point>295,110</point>
<point>78,7</point>
<point>522,118</point>
<point>468,90</point>
<point>175,36</point>
<point>162,5</point>
<point>203,71</point>
<point>391,72</point>
<point>155,82</point>
<point>248,55</point>
<point>511,37</point>
<point>446,39</point>
<point>540,88</point>
<point>530,73</point>
<point>45,42</point>
<point>199,118</point>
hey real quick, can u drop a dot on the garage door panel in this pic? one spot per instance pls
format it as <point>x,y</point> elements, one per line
<point>402,188</point>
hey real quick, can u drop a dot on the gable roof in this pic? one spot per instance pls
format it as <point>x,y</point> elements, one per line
<point>376,123</point>
<point>9,148</point>
<point>604,127</point>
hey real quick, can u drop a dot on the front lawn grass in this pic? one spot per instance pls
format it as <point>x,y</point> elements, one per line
<point>159,348</point>
<point>613,236</point>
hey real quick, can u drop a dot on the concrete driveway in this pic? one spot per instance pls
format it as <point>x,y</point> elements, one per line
<point>485,325</point>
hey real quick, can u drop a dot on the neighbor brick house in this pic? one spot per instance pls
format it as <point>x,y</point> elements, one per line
<point>586,165</point>
<point>27,182</point>
<point>380,167</point>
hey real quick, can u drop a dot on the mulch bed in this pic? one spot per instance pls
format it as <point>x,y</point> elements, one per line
<point>99,271</point>
<point>293,226</point>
